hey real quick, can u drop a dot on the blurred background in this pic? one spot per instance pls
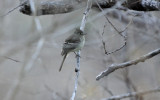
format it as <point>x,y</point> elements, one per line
<point>19,40</point>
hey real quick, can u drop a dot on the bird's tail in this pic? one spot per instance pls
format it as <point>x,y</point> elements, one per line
<point>62,62</point>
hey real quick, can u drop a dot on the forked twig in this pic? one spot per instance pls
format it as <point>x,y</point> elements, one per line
<point>119,32</point>
<point>125,42</point>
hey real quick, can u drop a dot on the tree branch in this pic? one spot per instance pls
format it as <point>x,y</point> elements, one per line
<point>77,75</point>
<point>143,5</point>
<point>66,6</point>
<point>53,7</point>
<point>114,67</point>
<point>40,43</point>
<point>122,96</point>
<point>77,70</point>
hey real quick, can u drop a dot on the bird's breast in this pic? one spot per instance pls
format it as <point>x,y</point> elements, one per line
<point>81,44</point>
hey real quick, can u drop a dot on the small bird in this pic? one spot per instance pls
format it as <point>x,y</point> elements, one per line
<point>73,43</point>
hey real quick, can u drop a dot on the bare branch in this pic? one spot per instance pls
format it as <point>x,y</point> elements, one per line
<point>83,23</point>
<point>11,59</point>
<point>122,96</point>
<point>114,67</point>
<point>108,90</point>
<point>26,67</point>
<point>53,7</point>
<point>35,55</point>
<point>119,32</point>
<point>139,20</point>
<point>77,70</point>
<point>65,6</point>
<point>59,7</point>
<point>41,40</point>
<point>103,42</point>
<point>130,85</point>
<point>21,4</point>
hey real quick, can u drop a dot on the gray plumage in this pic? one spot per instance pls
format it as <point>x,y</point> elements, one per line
<point>73,43</point>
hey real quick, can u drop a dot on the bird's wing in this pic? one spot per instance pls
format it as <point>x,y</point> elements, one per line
<point>68,47</point>
<point>73,39</point>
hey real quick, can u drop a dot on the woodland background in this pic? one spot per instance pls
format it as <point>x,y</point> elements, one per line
<point>18,41</point>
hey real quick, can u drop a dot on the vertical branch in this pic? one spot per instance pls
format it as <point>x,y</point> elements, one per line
<point>130,85</point>
<point>77,70</point>
<point>40,42</point>
<point>108,90</point>
<point>77,75</point>
<point>26,67</point>
<point>83,23</point>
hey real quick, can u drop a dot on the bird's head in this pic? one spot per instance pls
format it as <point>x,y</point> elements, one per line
<point>78,31</point>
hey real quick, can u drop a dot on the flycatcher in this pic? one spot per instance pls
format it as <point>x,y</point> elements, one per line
<point>73,43</point>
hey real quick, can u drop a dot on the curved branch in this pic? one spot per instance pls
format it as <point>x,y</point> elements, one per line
<point>114,67</point>
<point>122,96</point>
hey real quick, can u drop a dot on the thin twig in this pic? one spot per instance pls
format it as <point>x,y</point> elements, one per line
<point>129,84</point>
<point>119,32</point>
<point>127,95</point>
<point>108,90</point>
<point>11,59</point>
<point>14,9</point>
<point>35,55</point>
<point>103,42</point>
<point>125,39</point>
<point>16,86</point>
<point>114,67</point>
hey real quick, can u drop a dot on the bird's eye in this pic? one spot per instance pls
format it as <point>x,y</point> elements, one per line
<point>81,33</point>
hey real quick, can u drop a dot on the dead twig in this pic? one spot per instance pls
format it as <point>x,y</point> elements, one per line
<point>41,40</point>
<point>11,59</point>
<point>119,32</point>
<point>77,70</point>
<point>21,4</point>
<point>127,95</point>
<point>114,67</point>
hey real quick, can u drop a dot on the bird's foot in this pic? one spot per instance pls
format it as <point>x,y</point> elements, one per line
<point>77,55</point>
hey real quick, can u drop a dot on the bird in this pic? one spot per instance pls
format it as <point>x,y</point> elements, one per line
<point>73,43</point>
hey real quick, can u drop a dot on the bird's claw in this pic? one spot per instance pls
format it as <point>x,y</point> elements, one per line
<point>78,56</point>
